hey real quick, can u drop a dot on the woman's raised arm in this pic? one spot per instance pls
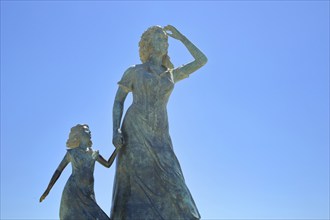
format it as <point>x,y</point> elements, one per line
<point>200,58</point>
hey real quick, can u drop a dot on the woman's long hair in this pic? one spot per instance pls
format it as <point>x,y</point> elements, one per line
<point>146,47</point>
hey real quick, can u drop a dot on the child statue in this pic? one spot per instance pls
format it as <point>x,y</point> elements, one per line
<point>78,198</point>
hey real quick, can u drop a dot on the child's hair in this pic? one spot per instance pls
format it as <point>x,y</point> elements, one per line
<point>75,134</point>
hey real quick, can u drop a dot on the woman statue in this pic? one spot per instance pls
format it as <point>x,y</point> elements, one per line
<point>149,183</point>
<point>78,198</point>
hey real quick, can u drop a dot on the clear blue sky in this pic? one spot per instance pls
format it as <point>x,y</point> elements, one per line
<point>250,129</point>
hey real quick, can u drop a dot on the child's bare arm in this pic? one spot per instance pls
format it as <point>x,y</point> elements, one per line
<point>108,163</point>
<point>56,175</point>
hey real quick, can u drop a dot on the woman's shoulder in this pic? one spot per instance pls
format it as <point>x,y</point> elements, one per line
<point>136,68</point>
<point>134,71</point>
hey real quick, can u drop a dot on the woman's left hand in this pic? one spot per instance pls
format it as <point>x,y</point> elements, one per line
<point>175,33</point>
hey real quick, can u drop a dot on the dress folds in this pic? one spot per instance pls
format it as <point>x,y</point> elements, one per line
<point>78,197</point>
<point>149,183</point>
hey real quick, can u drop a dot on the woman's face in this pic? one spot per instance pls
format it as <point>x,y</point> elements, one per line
<point>159,42</point>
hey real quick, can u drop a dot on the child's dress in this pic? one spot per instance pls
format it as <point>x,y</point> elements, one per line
<point>78,198</point>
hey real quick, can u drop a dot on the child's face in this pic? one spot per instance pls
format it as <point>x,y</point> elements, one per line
<point>86,136</point>
<point>87,131</point>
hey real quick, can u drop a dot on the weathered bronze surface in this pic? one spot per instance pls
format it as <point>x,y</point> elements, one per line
<point>149,183</point>
<point>78,198</point>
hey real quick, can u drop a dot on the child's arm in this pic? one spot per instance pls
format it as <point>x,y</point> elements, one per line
<point>108,163</point>
<point>56,175</point>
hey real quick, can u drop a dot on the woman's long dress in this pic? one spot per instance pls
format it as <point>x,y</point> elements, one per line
<point>149,183</point>
<point>78,198</point>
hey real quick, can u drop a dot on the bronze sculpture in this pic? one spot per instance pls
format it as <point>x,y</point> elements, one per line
<point>78,198</point>
<point>149,183</point>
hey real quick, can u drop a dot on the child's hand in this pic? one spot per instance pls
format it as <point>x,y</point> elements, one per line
<point>43,196</point>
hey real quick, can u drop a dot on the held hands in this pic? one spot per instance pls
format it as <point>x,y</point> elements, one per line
<point>118,139</point>
<point>175,33</point>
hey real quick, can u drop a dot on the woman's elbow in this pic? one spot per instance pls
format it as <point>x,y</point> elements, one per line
<point>202,60</point>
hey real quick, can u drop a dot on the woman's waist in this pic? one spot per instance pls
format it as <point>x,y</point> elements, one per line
<point>148,108</point>
<point>151,117</point>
